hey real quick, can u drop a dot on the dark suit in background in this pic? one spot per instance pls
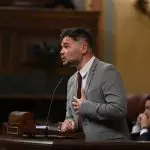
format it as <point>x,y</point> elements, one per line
<point>139,136</point>
<point>145,136</point>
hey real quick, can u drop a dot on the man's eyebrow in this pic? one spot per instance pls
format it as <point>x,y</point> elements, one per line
<point>65,43</point>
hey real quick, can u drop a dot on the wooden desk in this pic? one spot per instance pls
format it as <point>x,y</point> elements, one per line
<point>7,143</point>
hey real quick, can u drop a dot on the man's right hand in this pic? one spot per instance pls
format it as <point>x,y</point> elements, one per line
<point>143,120</point>
<point>68,126</point>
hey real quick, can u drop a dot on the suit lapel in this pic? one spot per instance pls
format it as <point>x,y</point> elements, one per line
<point>75,85</point>
<point>90,75</point>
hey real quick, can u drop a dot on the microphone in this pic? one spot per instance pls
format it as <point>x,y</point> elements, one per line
<point>50,105</point>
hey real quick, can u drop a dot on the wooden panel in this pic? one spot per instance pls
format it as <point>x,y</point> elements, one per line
<point>60,142</point>
<point>24,27</point>
<point>0,51</point>
<point>5,51</point>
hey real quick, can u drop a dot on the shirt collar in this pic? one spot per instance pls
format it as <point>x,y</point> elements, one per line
<point>86,67</point>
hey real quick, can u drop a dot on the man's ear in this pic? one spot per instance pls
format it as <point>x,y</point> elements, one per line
<point>84,48</point>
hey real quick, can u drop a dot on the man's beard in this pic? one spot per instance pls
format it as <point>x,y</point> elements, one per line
<point>71,63</point>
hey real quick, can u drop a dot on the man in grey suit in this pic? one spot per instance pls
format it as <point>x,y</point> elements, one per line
<point>102,106</point>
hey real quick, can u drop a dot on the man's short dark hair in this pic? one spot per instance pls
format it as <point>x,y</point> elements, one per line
<point>77,34</point>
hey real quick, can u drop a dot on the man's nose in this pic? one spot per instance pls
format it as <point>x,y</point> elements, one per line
<point>61,51</point>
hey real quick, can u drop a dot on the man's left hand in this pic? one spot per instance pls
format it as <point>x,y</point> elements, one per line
<point>77,102</point>
<point>143,120</point>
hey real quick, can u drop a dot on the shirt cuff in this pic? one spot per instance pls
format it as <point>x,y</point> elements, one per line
<point>143,131</point>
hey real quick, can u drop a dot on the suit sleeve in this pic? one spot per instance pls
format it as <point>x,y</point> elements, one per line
<point>115,105</point>
<point>69,113</point>
<point>68,109</point>
<point>144,137</point>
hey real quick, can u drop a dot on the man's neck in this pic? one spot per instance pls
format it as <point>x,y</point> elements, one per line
<point>84,61</point>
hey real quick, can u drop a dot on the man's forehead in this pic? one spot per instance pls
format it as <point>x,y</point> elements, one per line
<point>66,40</point>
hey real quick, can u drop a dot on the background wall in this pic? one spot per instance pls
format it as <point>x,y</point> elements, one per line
<point>106,29</point>
<point>132,46</point>
<point>26,80</point>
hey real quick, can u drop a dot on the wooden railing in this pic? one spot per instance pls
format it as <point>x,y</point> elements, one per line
<point>23,28</point>
<point>68,144</point>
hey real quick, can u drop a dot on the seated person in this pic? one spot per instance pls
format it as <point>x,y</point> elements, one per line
<point>141,131</point>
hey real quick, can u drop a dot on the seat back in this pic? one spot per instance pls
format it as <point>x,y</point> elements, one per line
<point>136,105</point>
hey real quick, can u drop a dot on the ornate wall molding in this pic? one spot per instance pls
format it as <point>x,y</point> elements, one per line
<point>143,6</point>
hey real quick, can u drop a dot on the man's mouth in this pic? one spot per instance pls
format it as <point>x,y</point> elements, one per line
<point>62,58</point>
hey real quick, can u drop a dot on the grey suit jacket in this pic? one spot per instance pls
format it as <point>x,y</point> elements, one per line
<point>104,110</point>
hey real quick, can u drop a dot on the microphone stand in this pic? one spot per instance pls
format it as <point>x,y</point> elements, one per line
<point>49,110</point>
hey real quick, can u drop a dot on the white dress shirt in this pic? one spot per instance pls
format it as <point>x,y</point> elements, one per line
<point>85,71</point>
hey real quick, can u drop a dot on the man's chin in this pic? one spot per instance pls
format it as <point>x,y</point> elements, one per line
<point>68,64</point>
<point>64,63</point>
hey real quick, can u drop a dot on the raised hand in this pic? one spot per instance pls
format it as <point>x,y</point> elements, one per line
<point>77,102</point>
<point>143,120</point>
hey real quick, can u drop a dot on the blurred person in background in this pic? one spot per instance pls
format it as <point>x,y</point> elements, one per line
<point>141,130</point>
